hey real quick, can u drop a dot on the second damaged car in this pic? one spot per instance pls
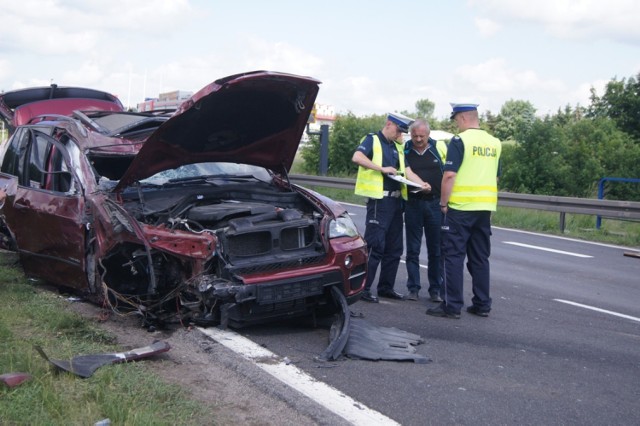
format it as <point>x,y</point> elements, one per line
<point>186,214</point>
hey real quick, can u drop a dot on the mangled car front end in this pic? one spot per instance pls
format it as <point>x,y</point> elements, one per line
<point>232,248</point>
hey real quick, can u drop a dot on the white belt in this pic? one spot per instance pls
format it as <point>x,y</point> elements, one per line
<point>394,194</point>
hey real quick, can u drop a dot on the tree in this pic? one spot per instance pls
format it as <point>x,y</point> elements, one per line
<point>618,157</point>
<point>311,156</point>
<point>536,165</point>
<point>345,136</point>
<point>584,141</point>
<point>621,103</point>
<point>568,115</point>
<point>425,108</point>
<point>514,120</point>
<point>570,158</point>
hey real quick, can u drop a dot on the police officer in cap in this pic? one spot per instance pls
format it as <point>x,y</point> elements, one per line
<point>468,195</point>
<point>380,156</point>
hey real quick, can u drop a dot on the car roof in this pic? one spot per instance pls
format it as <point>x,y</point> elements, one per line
<point>19,107</point>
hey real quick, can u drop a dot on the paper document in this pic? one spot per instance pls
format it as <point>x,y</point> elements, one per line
<point>403,180</point>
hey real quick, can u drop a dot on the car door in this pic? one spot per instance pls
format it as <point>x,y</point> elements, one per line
<point>46,212</point>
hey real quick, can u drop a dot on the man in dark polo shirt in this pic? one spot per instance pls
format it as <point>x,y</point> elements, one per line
<point>422,212</point>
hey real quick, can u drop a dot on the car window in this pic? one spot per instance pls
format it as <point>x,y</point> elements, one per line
<point>38,161</point>
<point>40,149</point>
<point>15,148</point>
<point>75,155</point>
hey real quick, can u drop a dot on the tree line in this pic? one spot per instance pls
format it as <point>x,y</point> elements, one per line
<point>562,154</point>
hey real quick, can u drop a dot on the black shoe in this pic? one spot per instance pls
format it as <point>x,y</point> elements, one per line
<point>435,297</point>
<point>477,311</point>
<point>368,297</point>
<point>390,294</point>
<point>413,295</point>
<point>440,312</point>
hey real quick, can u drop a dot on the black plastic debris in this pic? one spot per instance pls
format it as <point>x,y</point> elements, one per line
<point>85,365</point>
<point>339,332</point>
<point>368,341</point>
<point>356,338</point>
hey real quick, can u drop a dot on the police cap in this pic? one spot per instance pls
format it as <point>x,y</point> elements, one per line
<point>402,121</point>
<point>456,108</point>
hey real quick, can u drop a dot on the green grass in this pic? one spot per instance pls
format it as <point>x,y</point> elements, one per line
<point>127,394</point>
<point>619,232</point>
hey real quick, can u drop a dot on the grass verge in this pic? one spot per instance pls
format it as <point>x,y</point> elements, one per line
<point>127,394</point>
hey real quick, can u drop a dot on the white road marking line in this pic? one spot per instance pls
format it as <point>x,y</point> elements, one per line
<point>558,237</point>
<point>568,253</point>
<point>593,308</point>
<point>325,395</point>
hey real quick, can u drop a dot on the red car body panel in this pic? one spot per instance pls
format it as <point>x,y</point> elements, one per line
<point>25,113</point>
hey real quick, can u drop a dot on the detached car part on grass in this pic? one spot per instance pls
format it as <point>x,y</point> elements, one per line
<point>184,214</point>
<point>85,365</point>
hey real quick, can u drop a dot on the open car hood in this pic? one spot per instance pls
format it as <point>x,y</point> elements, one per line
<point>252,118</point>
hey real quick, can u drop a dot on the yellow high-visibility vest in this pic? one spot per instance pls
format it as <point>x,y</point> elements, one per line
<point>476,187</point>
<point>370,183</point>
<point>441,147</point>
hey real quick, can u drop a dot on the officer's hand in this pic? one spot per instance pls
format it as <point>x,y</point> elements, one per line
<point>389,171</point>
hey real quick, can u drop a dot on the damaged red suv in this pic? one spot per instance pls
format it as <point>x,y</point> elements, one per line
<point>183,214</point>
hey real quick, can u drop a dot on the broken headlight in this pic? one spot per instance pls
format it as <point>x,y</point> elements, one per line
<point>342,226</point>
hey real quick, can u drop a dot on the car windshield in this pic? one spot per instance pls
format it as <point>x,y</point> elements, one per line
<point>207,171</point>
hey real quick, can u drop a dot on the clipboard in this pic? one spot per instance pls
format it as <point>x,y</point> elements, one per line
<point>404,180</point>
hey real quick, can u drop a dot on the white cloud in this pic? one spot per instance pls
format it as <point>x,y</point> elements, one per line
<point>495,75</point>
<point>138,49</point>
<point>57,27</point>
<point>342,92</point>
<point>280,56</point>
<point>493,82</point>
<point>582,95</point>
<point>570,19</point>
<point>5,68</point>
<point>487,27</point>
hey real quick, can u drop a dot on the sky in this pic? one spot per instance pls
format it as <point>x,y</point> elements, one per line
<point>372,57</point>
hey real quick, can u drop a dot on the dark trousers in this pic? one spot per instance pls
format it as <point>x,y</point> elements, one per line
<point>383,234</point>
<point>423,217</point>
<point>466,234</point>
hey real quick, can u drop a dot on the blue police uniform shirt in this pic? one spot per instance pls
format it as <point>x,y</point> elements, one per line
<point>390,157</point>
<point>455,153</point>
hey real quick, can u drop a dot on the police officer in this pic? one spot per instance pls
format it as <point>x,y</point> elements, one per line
<point>380,156</point>
<point>469,193</point>
<point>422,212</point>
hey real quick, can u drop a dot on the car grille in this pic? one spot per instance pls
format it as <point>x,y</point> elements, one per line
<point>295,238</point>
<point>272,246</point>
<point>253,244</point>
<point>267,241</point>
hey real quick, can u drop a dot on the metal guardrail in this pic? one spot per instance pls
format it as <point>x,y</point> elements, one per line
<point>622,210</point>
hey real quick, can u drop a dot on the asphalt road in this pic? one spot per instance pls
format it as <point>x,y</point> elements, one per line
<point>561,346</point>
